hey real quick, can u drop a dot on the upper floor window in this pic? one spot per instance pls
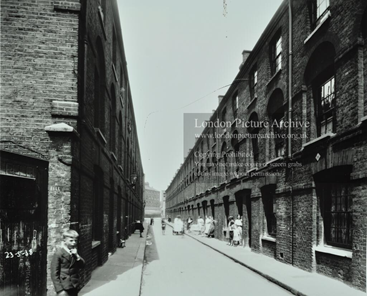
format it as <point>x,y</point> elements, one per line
<point>121,77</point>
<point>235,102</point>
<point>253,83</point>
<point>208,141</point>
<point>99,88</point>
<point>224,117</point>
<point>254,130</point>
<point>225,158</point>
<point>120,139</point>
<point>102,9</point>
<point>214,162</point>
<point>276,54</point>
<point>214,135</point>
<point>319,8</point>
<point>236,149</point>
<point>325,104</point>
<point>276,115</point>
<point>320,80</point>
<point>113,120</point>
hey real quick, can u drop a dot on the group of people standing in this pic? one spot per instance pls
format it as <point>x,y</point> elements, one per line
<point>234,231</point>
<point>207,226</point>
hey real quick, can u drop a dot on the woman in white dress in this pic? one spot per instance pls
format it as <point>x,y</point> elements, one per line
<point>178,225</point>
<point>208,222</point>
<point>238,223</point>
<point>200,224</point>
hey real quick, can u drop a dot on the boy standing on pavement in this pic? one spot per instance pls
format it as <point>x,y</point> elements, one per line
<point>66,264</point>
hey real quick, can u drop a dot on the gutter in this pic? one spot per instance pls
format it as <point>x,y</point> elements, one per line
<point>290,77</point>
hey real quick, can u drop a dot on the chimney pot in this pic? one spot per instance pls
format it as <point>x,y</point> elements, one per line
<point>245,55</point>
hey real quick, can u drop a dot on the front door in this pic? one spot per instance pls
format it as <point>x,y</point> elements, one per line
<point>23,230</point>
<point>249,220</point>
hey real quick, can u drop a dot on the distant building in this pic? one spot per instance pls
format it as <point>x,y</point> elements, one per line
<point>152,201</point>
<point>163,203</point>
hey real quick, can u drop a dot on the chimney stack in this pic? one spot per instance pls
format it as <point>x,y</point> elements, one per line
<point>220,98</point>
<point>245,55</point>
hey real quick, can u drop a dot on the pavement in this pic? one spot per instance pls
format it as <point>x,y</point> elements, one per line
<point>121,274</point>
<point>179,265</point>
<point>295,280</point>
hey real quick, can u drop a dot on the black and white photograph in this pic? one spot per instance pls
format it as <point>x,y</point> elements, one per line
<point>186,148</point>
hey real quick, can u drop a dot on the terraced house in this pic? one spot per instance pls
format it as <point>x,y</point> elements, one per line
<point>70,154</point>
<point>295,168</point>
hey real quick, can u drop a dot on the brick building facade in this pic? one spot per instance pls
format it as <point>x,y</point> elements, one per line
<point>69,146</point>
<point>152,201</point>
<point>286,147</point>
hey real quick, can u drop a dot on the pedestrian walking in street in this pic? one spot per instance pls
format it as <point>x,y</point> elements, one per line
<point>151,221</point>
<point>208,222</point>
<point>66,264</point>
<point>139,225</point>
<point>236,235</point>
<point>230,230</point>
<point>189,222</point>
<point>212,228</point>
<point>200,224</point>
<point>238,223</point>
<point>178,226</point>
<point>163,226</point>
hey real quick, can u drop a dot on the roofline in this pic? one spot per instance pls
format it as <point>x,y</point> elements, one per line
<point>251,58</point>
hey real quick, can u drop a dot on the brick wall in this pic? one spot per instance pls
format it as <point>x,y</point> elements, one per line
<point>300,225</point>
<point>41,61</point>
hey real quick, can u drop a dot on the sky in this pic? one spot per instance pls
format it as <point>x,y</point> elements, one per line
<point>179,52</point>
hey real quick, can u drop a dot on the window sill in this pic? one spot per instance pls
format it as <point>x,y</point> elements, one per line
<point>95,244</point>
<point>269,239</point>
<point>324,19</point>
<point>273,77</point>
<point>274,160</point>
<point>62,7</point>
<point>114,72</point>
<point>364,119</point>
<point>113,155</point>
<point>250,171</point>
<point>100,134</point>
<point>251,102</point>
<point>328,135</point>
<point>101,16</point>
<point>334,251</point>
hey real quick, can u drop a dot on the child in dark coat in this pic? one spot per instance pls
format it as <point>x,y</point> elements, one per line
<point>66,264</point>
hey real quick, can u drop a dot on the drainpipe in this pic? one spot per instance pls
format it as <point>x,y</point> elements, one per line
<point>290,60</point>
<point>82,78</point>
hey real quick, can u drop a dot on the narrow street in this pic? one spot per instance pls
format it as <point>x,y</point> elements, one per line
<point>178,265</point>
